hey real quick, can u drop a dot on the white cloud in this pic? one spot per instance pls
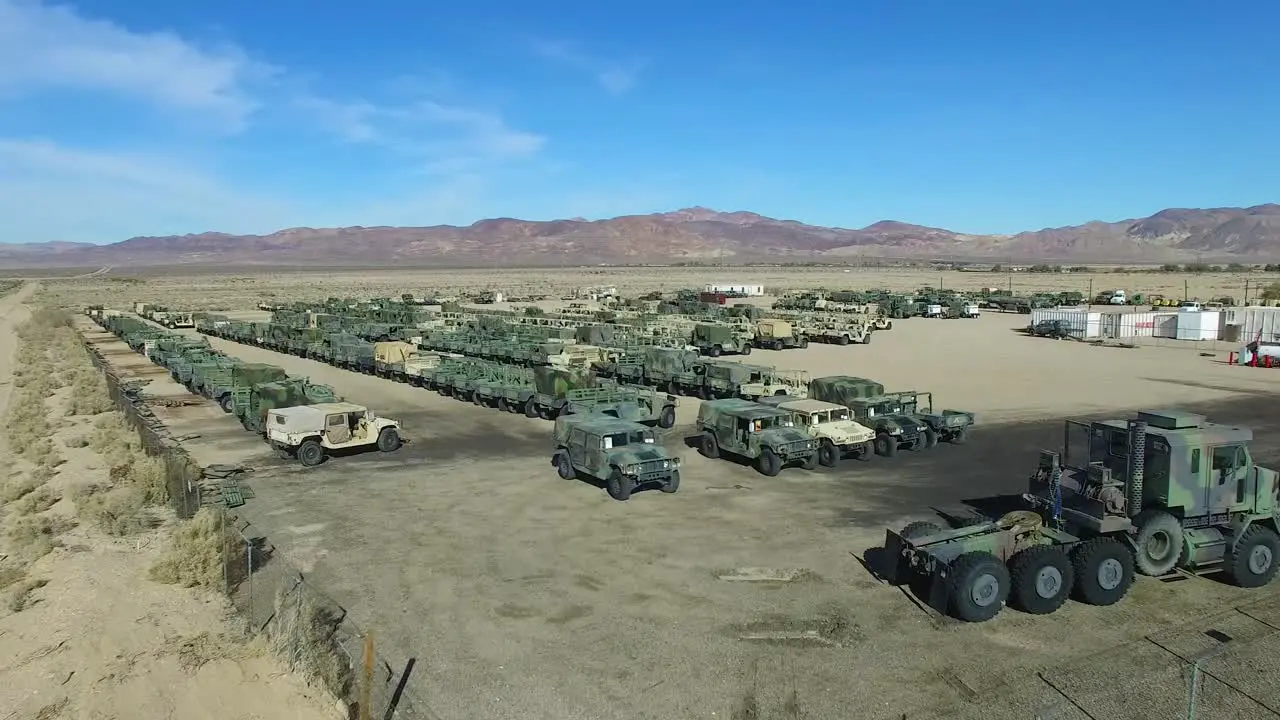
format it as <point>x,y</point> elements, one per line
<point>47,47</point>
<point>615,77</point>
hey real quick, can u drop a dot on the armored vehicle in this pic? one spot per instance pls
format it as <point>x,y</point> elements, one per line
<point>1166,491</point>
<point>623,454</point>
<point>715,339</point>
<point>839,435</point>
<point>756,432</point>
<point>642,405</point>
<point>311,432</point>
<point>895,428</point>
<point>778,334</point>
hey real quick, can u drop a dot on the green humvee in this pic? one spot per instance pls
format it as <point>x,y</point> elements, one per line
<point>894,425</point>
<point>748,429</point>
<point>623,454</point>
<point>715,339</point>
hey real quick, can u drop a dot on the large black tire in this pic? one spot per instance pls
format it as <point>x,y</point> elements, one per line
<point>886,445</point>
<point>714,351</point>
<point>672,388</point>
<point>1103,569</point>
<point>958,437</point>
<point>709,446</point>
<point>804,343</point>
<point>283,452</point>
<point>389,440</point>
<point>673,482</point>
<point>1253,561</point>
<point>1158,544</point>
<point>531,409</point>
<point>811,462</point>
<point>502,405</point>
<point>746,350</point>
<point>777,345</point>
<point>619,486</point>
<point>866,451</point>
<point>310,453</point>
<point>1041,579</point>
<point>842,340</point>
<point>564,466</point>
<point>667,418</point>
<point>930,438</point>
<point>979,585</point>
<point>920,529</point>
<point>226,403</point>
<point>768,464</point>
<point>828,454</point>
<point>866,339</point>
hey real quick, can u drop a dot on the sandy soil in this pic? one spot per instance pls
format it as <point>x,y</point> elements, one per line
<point>522,595</point>
<point>239,291</point>
<point>99,640</point>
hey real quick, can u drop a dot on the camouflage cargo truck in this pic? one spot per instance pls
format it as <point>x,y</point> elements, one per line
<point>895,428</point>
<point>221,382</point>
<point>250,404</point>
<point>389,355</point>
<point>622,454</point>
<point>676,369</point>
<point>355,355</point>
<point>417,368</point>
<point>642,405</point>
<point>774,334</point>
<point>1164,492</point>
<point>183,368</point>
<point>842,332</point>
<point>839,435</point>
<point>756,432</point>
<point>725,379</point>
<point>715,339</point>
<point>547,397</point>
<point>203,372</point>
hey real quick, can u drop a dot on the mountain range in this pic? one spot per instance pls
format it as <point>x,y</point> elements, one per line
<point>694,234</point>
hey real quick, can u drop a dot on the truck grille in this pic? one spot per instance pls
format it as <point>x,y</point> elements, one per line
<point>800,447</point>
<point>654,470</point>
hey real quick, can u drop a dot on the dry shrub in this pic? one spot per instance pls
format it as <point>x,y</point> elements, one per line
<point>76,441</point>
<point>303,632</point>
<point>20,596</point>
<point>118,512</point>
<point>195,557</point>
<point>19,487</point>
<point>42,499</point>
<point>31,538</point>
<point>196,651</point>
<point>89,394</point>
<point>10,574</point>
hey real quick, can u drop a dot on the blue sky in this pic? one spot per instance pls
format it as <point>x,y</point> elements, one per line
<point>152,118</point>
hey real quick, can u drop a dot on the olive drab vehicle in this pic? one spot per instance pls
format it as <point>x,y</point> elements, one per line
<point>895,429</point>
<point>1166,491</point>
<point>838,434</point>
<point>764,434</point>
<point>633,403</point>
<point>716,339</point>
<point>945,425</point>
<point>550,385</point>
<point>623,454</point>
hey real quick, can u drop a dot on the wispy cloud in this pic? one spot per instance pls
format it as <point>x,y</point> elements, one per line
<point>46,47</point>
<point>614,76</point>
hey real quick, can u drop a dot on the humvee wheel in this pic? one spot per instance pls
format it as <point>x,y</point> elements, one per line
<point>620,485</point>
<point>768,464</point>
<point>668,417</point>
<point>777,345</point>
<point>310,453</point>
<point>502,405</point>
<point>866,451</point>
<point>842,340</point>
<point>226,403</point>
<point>388,440</point>
<point>886,445</point>
<point>930,438</point>
<point>1103,569</point>
<point>673,482</point>
<point>746,350</point>
<point>804,343</point>
<point>564,466</point>
<point>283,452</point>
<point>708,446</point>
<point>888,325</point>
<point>920,529</point>
<point>829,454</point>
<point>477,399</point>
<point>810,462</point>
<point>672,388</point>
<point>1253,562</point>
<point>1041,579</point>
<point>1158,544</point>
<point>958,437</point>
<point>714,351</point>
<point>979,585</point>
<point>866,339</point>
<point>531,409</point>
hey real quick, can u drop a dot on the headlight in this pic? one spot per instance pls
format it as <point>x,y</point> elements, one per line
<point>630,469</point>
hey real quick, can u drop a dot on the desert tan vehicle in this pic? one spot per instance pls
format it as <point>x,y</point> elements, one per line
<point>312,432</point>
<point>775,334</point>
<point>839,435</point>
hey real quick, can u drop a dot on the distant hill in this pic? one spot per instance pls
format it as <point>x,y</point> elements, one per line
<point>693,234</point>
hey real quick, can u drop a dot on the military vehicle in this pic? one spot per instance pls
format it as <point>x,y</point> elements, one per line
<point>312,432</point>
<point>389,355</point>
<point>252,403</point>
<point>895,428</point>
<point>726,379</point>
<point>642,405</point>
<point>747,429</point>
<point>839,435</point>
<point>221,382</point>
<point>1166,491</point>
<point>945,425</point>
<point>841,332</point>
<point>623,454</point>
<point>1056,329</point>
<point>775,334</point>
<point>676,369</point>
<point>715,339</point>
<point>966,309</point>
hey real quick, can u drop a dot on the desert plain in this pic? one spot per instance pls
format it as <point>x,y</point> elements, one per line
<point>521,595</point>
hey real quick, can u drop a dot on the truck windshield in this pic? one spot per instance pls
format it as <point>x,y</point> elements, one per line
<point>635,437</point>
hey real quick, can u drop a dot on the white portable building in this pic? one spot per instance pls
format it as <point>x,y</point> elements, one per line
<point>1201,325</point>
<point>1250,324</point>
<point>1166,325</point>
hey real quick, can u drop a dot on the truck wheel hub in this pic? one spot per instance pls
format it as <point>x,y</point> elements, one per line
<point>1260,559</point>
<point>986,590</point>
<point>1048,582</point>
<point>1110,573</point>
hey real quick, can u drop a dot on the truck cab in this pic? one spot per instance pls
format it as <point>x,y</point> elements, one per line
<point>622,454</point>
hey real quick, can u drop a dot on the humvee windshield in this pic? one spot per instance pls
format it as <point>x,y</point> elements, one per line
<point>635,437</point>
<point>883,408</point>
<point>826,416</point>
<point>770,422</point>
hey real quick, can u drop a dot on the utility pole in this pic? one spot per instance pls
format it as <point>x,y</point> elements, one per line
<point>1089,297</point>
<point>1186,290</point>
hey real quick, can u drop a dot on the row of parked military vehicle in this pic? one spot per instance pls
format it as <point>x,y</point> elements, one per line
<point>298,418</point>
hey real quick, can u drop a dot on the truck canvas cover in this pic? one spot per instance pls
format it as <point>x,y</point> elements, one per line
<point>843,389</point>
<point>556,381</point>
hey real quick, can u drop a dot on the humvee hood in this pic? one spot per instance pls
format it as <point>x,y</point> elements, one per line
<point>636,454</point>
<point>782,436</point>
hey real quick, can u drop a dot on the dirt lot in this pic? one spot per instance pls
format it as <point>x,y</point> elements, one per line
<point>230,291</point>
<point>522,595</point>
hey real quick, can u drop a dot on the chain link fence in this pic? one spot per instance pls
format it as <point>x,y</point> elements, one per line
<point>305,628</point>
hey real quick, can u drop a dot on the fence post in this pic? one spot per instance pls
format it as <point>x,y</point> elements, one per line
<point>248,560</point>
<point>366,684</point>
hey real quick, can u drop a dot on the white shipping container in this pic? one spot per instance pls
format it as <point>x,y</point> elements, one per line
<point>1201,325</point>
<point>1088,324</point>
<point>1136,324</point>
<point>1252,322</point>
<point>1166,325</point>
